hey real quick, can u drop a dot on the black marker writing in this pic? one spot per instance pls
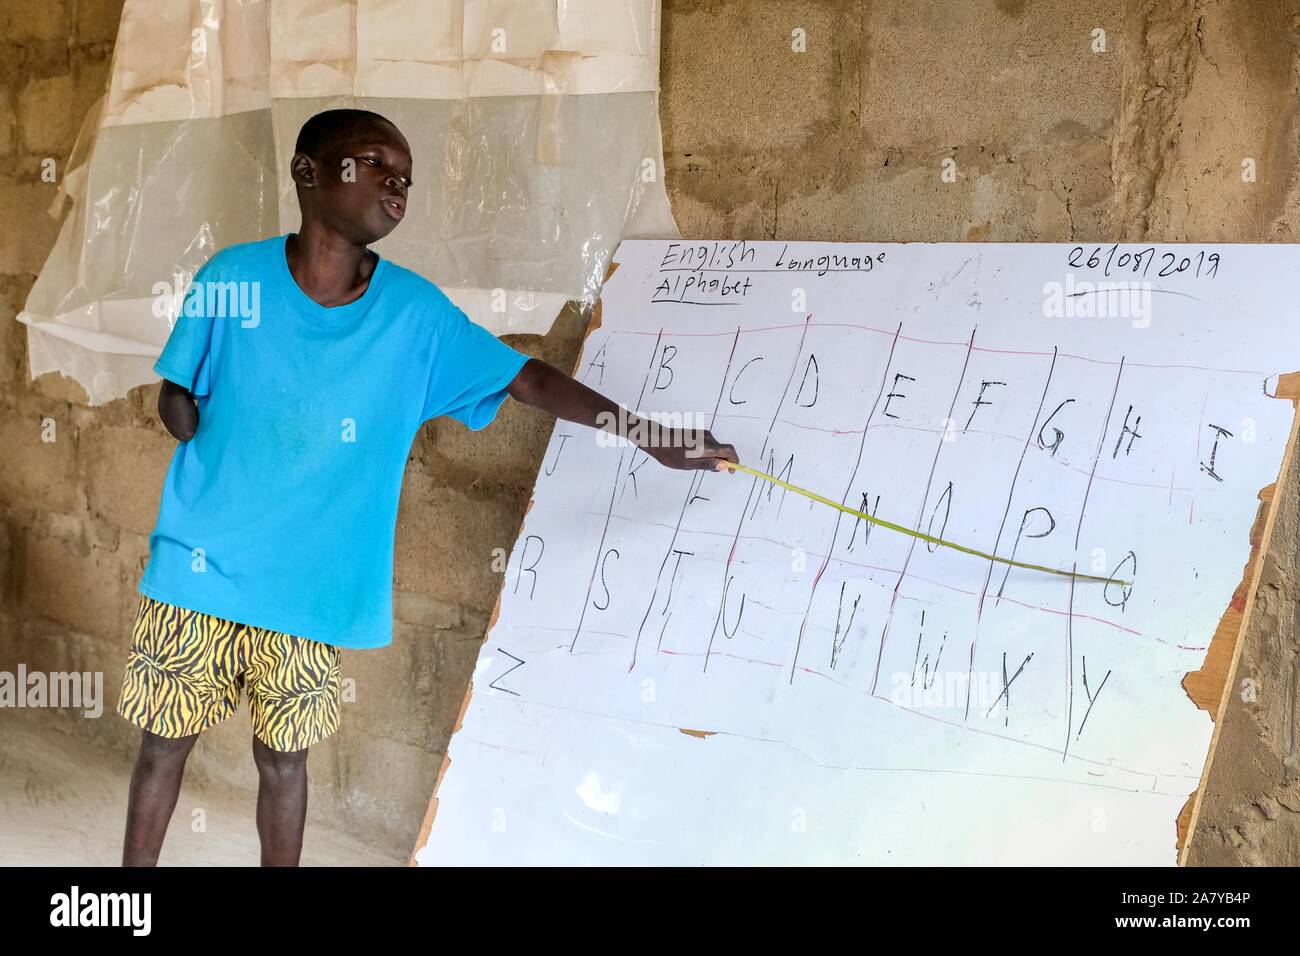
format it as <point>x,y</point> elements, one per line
<point>530,569</point>
<point>601,607</point>
<point>1126,430</point>
<point>631,475</point>
<point>665,365</point>
<point>1006,688</point>
<point>507,690</point>
<point>893,395</point>
<point>812,367</point>
<point>945,500</point>
<point>927,675</point>
<point>837,643</point>
<point>1092,698</point>
<point>1209,469</point>
<point>979,401</point>
<point>598,361</point>
<point>1060,435</point>
<point>866,525</point>
<point>672,580</point>
<point>558,448</point>
<point>722,610</point>
<point>731,394</point>
<point>783,474</point>
<point>1122,574</point>
<point>1037,520</point>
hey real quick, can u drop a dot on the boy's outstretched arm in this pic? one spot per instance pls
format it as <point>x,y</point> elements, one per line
<point>178,411</point>
<point>549,389</point>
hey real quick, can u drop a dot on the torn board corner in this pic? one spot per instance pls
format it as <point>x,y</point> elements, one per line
<point>423,837</point>
<point>1210,685</point>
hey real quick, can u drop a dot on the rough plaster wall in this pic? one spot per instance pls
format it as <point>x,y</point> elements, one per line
<point>843,142</point>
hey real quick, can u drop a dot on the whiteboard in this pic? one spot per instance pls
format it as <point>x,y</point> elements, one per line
<point>702,668</point>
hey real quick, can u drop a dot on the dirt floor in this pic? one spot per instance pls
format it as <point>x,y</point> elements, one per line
<point>63,803</point>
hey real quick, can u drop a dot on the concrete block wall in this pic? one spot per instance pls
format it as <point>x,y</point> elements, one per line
<point>1052,139</point>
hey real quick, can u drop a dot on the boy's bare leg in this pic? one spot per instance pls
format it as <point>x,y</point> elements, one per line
<point>281,803</point>
<point>155,785</point>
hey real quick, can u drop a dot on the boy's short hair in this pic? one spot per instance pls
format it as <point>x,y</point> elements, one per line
<point>331,125</point>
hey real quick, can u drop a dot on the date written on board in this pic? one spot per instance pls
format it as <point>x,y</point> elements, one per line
<point>1111,260</point>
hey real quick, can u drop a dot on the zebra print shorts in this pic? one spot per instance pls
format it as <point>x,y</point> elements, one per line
<point>185,671</point>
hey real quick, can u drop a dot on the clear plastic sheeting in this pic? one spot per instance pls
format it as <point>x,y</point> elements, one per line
<point>534,126</point>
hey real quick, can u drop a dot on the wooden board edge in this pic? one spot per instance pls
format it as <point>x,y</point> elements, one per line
<point>1288,388</point>
<point>426,827</point>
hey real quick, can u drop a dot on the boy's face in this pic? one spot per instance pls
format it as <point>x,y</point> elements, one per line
<point>359,182</point>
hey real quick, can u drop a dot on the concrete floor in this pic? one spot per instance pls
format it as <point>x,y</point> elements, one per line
<point>63,802</point>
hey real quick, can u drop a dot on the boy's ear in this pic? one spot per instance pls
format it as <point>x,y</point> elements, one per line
<point>303,170</point>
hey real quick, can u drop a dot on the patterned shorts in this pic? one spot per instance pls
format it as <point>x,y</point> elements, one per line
<point>186,669</point>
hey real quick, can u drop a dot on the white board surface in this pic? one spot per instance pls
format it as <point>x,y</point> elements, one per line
<point>858,697</point>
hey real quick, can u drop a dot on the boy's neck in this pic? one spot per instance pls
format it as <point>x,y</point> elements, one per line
<point>331,270</point>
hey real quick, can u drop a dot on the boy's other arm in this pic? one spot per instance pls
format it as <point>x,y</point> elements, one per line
<point>178,410</point>
<point>546,387</point>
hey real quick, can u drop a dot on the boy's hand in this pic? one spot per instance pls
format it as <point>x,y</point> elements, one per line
<point>691,449</point>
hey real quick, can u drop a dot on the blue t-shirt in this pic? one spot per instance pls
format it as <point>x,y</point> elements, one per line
<point>280,512</point>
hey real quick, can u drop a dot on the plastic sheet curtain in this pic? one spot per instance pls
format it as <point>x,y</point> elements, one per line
<point>533,124</point>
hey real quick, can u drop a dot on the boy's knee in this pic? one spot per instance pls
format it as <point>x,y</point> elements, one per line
<point>164,751</point>
<point>279,763</point>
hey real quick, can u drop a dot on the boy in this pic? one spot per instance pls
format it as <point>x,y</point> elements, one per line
<point>296,377</point>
